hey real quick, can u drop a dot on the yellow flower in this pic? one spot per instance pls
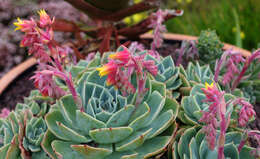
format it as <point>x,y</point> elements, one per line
<point>179,1</point>
<point>242,35</point>
<point>108,68</point>
<point>207,86</point>
<point>18,24</point>
<point>42,13</point>
<point>188,1</point>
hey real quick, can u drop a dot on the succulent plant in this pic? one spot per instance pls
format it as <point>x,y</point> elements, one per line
<point>196,74</point>
<point>109,125</point>
<point>193,105</point>
<point>168,74</point>
<point>21,134</point>
<point>191,143</point>
<point>209,46</point>
<point>36,103</point>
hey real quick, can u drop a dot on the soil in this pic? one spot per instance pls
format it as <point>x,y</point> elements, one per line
<point>17,90</point>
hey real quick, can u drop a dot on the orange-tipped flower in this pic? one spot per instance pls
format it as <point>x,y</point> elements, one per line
<point>123,56</point>
<point>24,25</point>
<point>107,69</point>
<point>19,24</point>
<point>44,18</point>
<point>209,86</point>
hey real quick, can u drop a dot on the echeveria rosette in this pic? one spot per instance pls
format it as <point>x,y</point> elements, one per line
<point>168,74</point>
<point>110,125</point>
<point>193,105</point>
<point>36,103</point>
<point>191,143</point>
<point>21,135</point>
<point>196,74</point>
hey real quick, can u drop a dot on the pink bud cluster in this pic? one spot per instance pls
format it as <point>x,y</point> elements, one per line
<point>120,68</point>
<point>217,107</point>
<point>51,56</point>
<point>37,35</point>
<point>246,111</point>
<point>159,28</point>
<point>215,117</point>
<point>230,60</point>
<point>43,80</point>
<point>4,113</point>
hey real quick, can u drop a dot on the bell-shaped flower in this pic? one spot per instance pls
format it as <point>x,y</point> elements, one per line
<point>44,18</point>
<point>122,56</point>
<point>25,25</point>
<point>108,69</point>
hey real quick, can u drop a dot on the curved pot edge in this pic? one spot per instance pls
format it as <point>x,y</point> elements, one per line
<point>181,37</point>
<point>15,72</point>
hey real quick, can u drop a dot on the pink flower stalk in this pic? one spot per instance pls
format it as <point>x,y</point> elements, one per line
<point>159,28</point>
<point>39,39</point>
<point>188,50</point>
<point>121,67</point>
<point>43,80</point>
<point>217,111</point>
<point>4,113</point>
<point>254,56</point>
<point>135,46</point>
<point>246,112</point>
<point>38,35</point>
<point>230,60</point>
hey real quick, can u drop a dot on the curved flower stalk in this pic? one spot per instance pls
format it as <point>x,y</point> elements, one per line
<point>231,60</point>
<point>115,125</point>
<point>21,134</point>
<point>241,73</point>
<point>39,39</point>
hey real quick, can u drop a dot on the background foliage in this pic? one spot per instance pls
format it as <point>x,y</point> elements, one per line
<point>221,16</point>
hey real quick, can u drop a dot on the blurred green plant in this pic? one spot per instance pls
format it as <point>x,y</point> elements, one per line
<point>219,15</point>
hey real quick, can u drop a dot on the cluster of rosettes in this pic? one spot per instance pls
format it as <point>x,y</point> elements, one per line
<point>121,67</point>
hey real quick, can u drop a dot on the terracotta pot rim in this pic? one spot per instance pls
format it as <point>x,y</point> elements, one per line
<point>15,72</point>
<point>18,70</point>
<point>181,37</point>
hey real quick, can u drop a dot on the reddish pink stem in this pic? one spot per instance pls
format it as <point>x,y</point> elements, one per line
<point>255,55</point>
<point>241,145</point>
